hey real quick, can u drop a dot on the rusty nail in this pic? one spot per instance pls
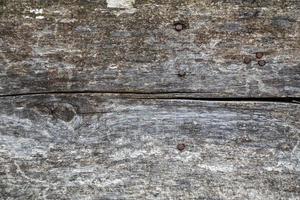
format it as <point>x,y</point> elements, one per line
<point>259,55</point>
<point>247,60</point>
<point>261,63</point>
<point>181,146</point>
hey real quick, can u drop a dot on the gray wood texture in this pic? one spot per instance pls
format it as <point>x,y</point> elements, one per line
<point>104,99</point>
<point>95,45</point>
<point>123,147</point>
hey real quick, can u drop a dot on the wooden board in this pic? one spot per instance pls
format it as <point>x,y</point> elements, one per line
<point>117,46</point>
<point>89,146</point>
<point>104,99</point>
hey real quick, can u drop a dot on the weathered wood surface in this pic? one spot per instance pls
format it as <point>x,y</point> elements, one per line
<point>111,147</point>
<point>96,143</point>
<point>116,46</point>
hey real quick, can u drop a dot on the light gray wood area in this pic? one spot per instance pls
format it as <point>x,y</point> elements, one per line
<point>90,146</point>
<point>131,46</point>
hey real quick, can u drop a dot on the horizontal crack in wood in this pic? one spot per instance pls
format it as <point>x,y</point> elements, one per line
<point>164,95</point>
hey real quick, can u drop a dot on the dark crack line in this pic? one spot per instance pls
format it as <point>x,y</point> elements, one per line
<point>151,95</point>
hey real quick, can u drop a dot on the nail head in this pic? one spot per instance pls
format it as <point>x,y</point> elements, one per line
<point>181,147</point>
<point>261,63</point>
<point>178,27</point>
<point>259,55</point>
<point>247,60</point>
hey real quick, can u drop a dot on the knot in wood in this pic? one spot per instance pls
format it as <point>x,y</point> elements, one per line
<point>64,112</point>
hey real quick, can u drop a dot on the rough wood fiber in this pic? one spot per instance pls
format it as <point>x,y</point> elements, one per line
<point>110,147</point>
<point>92,146</point>
<point>131,46</point>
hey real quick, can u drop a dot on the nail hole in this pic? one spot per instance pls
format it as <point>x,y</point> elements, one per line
<point>181,73</point>
<point>261,63</point>
<point>179,26</point>
<point>259,55</point>
<point>156,194</point>
<point>181,146</point>
<point>247,60</point>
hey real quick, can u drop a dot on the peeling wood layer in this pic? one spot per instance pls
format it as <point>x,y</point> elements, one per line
<point>131,46</point>
<point>107,147</point>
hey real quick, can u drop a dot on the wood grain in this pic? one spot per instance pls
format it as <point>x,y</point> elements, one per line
<point>89,146</point>
<point>101,99</point>
<point>80,45</point>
